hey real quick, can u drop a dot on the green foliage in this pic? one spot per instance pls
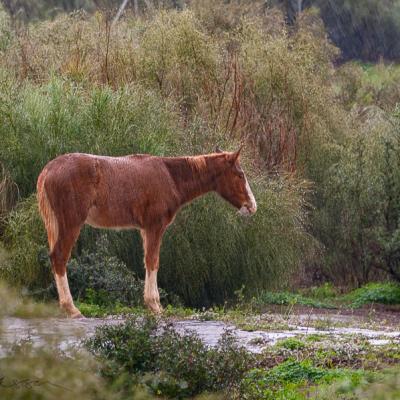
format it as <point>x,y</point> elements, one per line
<point>23,307</point>
<point>381,293</point>
<point>291,344</point>
<point>379,386</point>
<point>169,363</point>
<point>28,373</point>
<point>288,298</point>
<point>39,123</point>
<point>175,53</point>
<point>358,223</point>
<point>27,265</point>
<point>256,253</point>
<point>285,380</point>
<point>102,279</point>
<point>5,30</point>
<point>369,85</point>
<point>325,291</point>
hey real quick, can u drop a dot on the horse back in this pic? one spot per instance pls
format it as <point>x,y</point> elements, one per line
<point>111,192</point>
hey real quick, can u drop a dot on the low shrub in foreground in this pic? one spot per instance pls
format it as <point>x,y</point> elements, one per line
<point>383,385</point>
<point>289,380</point>
<point>166,361</point>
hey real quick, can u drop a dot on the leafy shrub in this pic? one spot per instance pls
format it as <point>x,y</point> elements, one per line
<point>287,298</point>
<point>382,293</point>
<point>325,291</point>
<point>358,223</point>
<point>364,85</point>
<point>383,385</point>
<point>40,123</point>
<point>14,305</point>
<point>170,363</point>
<point>284,380</point>
<point>5,30</point>
<point>47,374</point>
<point>102,279</point>
<point>27,265</point>
<point>291,344</point>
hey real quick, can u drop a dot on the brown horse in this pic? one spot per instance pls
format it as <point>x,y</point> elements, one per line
<point>136,191</point>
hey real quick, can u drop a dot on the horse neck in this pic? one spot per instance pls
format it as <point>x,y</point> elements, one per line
<point>193,176</point>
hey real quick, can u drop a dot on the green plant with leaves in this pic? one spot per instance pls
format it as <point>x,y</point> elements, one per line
<point>168,362</point>
<point>380,293</point>
<point>359,222</point>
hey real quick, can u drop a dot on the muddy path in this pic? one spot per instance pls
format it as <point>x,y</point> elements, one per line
<point>375,314</point>
<point>65,333</point>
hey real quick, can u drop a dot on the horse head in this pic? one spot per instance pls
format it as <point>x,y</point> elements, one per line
<point>232,184</point>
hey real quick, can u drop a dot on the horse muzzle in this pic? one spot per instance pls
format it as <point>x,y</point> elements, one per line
<point>247,210</point>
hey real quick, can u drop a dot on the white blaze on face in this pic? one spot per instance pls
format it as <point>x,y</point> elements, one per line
<point>251,206</point>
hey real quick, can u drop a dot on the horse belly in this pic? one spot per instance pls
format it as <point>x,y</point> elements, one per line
<point>110,219</point>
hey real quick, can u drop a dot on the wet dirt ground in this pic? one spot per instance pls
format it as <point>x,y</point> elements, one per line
<point>66,332</point>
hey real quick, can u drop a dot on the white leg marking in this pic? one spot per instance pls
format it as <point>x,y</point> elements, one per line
<point>151,290</point>
<point>64,294</point>
<point>151,295</point>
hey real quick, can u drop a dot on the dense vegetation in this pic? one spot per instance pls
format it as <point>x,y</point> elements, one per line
<point>321,129</point>
<point>322,145</point>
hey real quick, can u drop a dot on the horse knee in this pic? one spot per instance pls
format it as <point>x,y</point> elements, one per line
<point>58,261</point>
<point>151,263</point>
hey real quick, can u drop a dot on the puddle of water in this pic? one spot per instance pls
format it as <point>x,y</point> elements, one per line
<point>67,332</point>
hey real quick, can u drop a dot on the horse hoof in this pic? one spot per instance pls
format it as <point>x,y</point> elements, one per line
<point>155,309</point>
<point>77,315</point>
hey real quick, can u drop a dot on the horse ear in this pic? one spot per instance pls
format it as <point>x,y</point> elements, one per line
<point>236,154</point>
<point>218,150</point>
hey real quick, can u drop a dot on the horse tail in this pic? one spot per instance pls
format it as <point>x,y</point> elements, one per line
<point>46,211</point>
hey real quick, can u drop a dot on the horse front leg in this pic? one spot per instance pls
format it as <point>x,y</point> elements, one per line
<point>151,245</point>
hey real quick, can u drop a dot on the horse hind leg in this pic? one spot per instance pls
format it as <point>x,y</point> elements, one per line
<point>59,257</point>
<point>61,241</point>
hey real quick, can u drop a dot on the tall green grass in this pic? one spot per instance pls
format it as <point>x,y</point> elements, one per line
<point>178,83</point>
<point>208,253</point>
<point>40,122</point>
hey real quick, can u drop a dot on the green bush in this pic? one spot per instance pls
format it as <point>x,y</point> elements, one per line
<point>358,221</point>
<point>27,265</point>
<point>289,380</point>
<point>258,253</point>
<point>29,373</point>
<point>379,386</point>
<point>325,291</point>
<point>5,30</point>
<point>39,123</point>
<point>287,298</point>
<point>291,344</point>
<point>102,279</point>
<point>381,293</point>
<point>170,363</point>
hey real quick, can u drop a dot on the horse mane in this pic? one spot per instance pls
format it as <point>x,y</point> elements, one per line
<point>197,163</point>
